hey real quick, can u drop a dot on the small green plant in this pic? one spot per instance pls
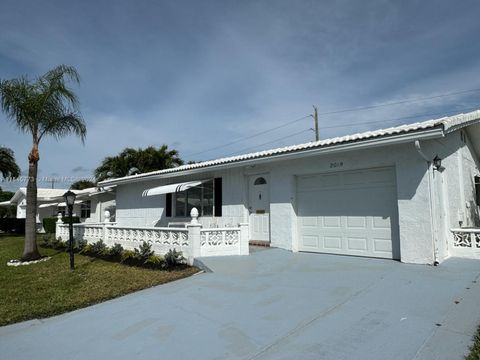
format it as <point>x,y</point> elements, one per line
<point>99,248</point>
<point>173,258</point>
<point>154,261</point>
<point>128,256</point>
<point>47,240</point>
<point>144,251</point>
<point>80,245</point>
<point>116,250</point>
<point>59,244</point>
<point>87,249</point>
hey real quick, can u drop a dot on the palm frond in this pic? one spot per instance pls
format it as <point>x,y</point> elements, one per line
<point>8,166</point>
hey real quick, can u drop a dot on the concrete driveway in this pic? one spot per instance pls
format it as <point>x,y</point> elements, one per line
<point>273,304</point>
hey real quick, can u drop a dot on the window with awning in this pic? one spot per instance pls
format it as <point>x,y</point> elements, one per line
<point>200,197</point>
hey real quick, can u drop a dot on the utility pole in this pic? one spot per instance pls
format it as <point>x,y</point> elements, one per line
<point>315,117</point>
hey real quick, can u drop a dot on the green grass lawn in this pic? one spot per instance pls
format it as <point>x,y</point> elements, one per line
<point>475,350</point>
<point>50,288</point>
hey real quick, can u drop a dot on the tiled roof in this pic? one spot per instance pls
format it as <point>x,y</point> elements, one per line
<point>448,124</point>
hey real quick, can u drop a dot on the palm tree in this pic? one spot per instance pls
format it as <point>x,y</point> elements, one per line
<point>8,166</point>
<point>42,107</point>
<point>131,161</point>
<point>82,184</point>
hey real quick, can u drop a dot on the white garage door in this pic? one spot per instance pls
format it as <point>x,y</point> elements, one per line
<point>350,212</point>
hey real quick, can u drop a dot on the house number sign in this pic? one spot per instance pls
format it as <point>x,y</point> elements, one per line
<point>336,164</point>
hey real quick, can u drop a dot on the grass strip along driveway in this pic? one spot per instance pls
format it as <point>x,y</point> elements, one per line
<point>50,288</point>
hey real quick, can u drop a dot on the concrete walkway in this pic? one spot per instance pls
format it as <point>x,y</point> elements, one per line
<point>273,304</point>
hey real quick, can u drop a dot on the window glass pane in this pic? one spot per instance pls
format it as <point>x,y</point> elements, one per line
<point>207,201</point>
<point>85,209</point>
<point>194,196</point>
<point>260,181</point>
<point>180,204</point>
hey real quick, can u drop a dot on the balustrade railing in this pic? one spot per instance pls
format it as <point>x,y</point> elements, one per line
<point>466,242</point>
<point>193,240</point>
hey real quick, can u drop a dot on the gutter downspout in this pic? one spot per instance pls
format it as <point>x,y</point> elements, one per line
<point>432,207</point>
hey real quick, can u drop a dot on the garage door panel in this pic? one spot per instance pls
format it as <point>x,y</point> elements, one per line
<point>357,222</point>
<point>332,242</point>
<point>357,243</point>
<point>382,245</point>
<point>310,241</point>
<point>356,217</point>
<point>332,222</point>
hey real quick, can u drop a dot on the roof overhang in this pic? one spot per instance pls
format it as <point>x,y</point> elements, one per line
<point>432,133</point>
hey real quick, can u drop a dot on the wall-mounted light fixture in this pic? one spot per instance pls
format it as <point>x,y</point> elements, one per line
<point>437,162</point>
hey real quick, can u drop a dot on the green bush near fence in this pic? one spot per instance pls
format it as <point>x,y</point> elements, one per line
<point>143,256</point>
<point>49,224</point>
<point>12,225</point>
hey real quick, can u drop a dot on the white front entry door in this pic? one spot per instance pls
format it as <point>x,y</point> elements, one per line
<point>259,208</point>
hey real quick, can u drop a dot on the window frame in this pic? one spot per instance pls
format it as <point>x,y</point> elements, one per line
<point>201,208</point>
<point>84,208</point>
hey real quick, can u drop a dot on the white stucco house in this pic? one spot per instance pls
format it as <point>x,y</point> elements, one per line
<point>407,193</point>
<point>90,205</point>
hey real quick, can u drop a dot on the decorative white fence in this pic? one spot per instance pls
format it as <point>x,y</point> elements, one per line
<point>466,242</point>
<point>193,241</point>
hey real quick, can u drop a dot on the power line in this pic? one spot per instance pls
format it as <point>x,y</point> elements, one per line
<point>398,102</point>
<point>251,136</point>
<point>401,118</point>
<point>352,124</point>
<point>334,112</point>
<point>269,142</point>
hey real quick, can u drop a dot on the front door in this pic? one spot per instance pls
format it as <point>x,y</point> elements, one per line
<point>259,208</point>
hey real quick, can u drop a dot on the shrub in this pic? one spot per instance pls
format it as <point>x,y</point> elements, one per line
<point>87,249</point>
<point>49,224</point>
<point>12,225</point>
<point>116,250</point>
<point>80,245</point>
<point>48,240</point>
<point>59,244</point>
<point>144,251</point>
<point>153,261</point>
<point>99,248</point>
<point>173,258</point>
<point>128,257</point>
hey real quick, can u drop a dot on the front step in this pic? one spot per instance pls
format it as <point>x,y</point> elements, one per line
<point>259,243</point>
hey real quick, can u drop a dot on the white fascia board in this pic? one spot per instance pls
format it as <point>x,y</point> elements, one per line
<point>433,133</point>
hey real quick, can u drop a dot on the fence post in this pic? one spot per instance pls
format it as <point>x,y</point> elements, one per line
<point>244,249</point>
<point>194,236</point>
<point>57,227</point>
<point>106,221</point>
<point>194,240</point>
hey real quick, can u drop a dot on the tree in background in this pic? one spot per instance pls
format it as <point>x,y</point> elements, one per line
<point>8,166</point>
<point>82,184</point>
<point>45,106</point>
<point>10,211</point>
<point>131,161</point>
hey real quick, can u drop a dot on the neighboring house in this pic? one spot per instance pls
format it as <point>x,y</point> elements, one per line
<point>394,193</point>
<point>90,204</point>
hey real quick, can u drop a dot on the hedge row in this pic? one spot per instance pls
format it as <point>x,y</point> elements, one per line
<point>144,256</point>
<point>49,224</point>
<point>12,225</point>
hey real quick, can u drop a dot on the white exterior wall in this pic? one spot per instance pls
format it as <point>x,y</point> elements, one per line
<point>134,210</point>
<point>98,205</point>
<point>412,193</point>
<point>429,201</point>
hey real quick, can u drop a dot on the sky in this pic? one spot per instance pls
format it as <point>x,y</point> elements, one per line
<point>199,75</point>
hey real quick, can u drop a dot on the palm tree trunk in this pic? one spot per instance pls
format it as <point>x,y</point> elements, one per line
<point>30,251</point>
